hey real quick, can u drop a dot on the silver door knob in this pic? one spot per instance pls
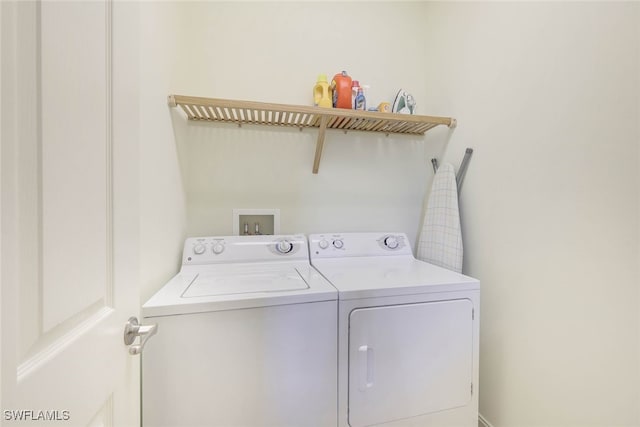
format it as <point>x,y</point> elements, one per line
<point>133,329</point>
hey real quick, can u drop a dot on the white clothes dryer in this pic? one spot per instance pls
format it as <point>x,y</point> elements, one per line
<point>246,337</point>
<point>407,333</point>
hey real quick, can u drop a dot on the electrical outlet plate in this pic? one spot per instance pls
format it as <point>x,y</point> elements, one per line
<point>268,221</point>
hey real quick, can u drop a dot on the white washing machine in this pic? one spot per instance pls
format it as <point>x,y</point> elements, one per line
<point>246,337</point>
<point>407,333</point>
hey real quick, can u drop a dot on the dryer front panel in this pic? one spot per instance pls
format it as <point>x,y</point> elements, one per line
<point>409,360</point>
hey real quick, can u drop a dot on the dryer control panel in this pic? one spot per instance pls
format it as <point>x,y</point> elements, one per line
<point>227,249</point>
<point>337,245</point>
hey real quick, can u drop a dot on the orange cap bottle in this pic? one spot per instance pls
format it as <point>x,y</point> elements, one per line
<point>341,86</point>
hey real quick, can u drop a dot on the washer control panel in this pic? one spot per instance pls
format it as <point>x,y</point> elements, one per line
<point>393,242</point>
<point>283,246</point>
<point>335,245</point>
<point>286,246</point>
<point>224,249</point>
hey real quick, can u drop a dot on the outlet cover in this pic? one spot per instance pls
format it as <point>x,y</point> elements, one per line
<point>256,221</point>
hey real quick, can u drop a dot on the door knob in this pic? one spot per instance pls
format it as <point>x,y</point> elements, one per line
<point>133,329</point>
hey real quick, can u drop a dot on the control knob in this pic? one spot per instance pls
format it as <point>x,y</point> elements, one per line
<point>324,244</point>
<point>218,248</point>
<point>284,246</point>
<point>338,244</point>
<point>391,242</point>
<point>199,249</point>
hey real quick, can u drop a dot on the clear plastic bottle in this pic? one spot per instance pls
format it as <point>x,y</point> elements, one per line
<point>355,85</point>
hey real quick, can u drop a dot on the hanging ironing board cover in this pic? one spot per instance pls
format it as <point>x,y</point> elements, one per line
<point>441,236</point>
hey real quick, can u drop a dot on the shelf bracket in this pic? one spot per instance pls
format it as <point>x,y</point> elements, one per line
<point>320,143</point>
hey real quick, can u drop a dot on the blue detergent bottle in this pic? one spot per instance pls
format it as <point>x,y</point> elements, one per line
<point>360,103</point>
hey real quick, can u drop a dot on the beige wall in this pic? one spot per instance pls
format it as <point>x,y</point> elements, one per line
<point>194,175</point>
<point>162,201</point>
<point>258,52</point>
<point>547,95</point>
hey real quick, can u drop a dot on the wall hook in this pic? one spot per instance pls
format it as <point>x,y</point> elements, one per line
<point>463,167</point>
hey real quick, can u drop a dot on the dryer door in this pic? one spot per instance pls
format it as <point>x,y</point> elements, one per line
<point>409,360</point>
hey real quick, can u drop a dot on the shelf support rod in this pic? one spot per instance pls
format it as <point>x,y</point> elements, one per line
<point>320,143</point>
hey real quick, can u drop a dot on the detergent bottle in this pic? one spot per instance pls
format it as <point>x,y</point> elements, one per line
<point>355,85</point>
<point>321,96</point>
<point>341,86</point>
<point>360,102</point>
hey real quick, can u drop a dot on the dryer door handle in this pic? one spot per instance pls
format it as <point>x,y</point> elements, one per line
<point>365,356</point>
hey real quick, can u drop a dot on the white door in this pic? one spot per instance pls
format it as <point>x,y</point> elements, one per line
<point>409,360</point>
<point>69,212</point>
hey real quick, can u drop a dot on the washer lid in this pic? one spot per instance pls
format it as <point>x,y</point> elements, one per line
<point>200,288</point>
<point>245,281</point>
<point>371,276</point>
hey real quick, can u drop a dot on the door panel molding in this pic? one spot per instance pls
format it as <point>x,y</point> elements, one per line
<point>35,332</point>
<point>75,359</point>
<point>104,416</point>
<point>73,166</point>
<point>59,343</point>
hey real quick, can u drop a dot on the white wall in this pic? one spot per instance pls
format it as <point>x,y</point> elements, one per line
<point>194,175</point>
<point>162,201</point>
<point>548,94</point>
<point>274,52</point>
